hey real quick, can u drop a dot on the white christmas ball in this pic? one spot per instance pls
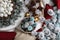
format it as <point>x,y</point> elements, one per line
<point>11,5</point>
<point>10,8</point>
<point>9,13</point>
<point>1,9</point>
<point>1,14</point>
<point>5,15</point>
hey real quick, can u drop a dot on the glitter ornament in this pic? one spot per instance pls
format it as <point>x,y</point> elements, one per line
<point>36,19</point>
<point>27,14</point>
